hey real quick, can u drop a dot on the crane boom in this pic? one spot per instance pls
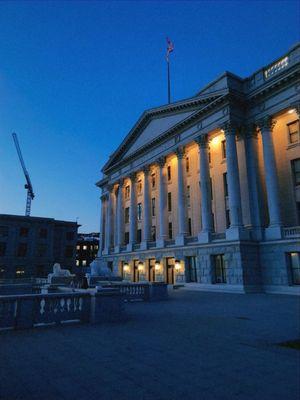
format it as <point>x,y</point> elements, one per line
<point>28,185</point>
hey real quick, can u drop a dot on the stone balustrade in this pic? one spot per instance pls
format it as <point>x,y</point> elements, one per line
<point>291,232</point>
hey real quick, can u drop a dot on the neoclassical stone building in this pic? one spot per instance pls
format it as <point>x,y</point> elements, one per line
<point>206,190</point>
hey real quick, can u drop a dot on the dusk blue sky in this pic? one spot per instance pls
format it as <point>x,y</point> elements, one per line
<point>75,76</point>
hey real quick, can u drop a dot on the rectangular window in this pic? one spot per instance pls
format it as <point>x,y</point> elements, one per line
<point>227,215</point>
<point>153,233</point>
<point>153,180</point>
<point>296,171</point>
<point>190,226</point>
<point>3,231</point>
<point>225,185</point>
<point>139,211</point>
<point>153,207</point>
<point>294,131</point>
<point>191,269</point>
<point>139,186</point>
<point>83,263</point>
<point>2,249</point>
<point>77,263</point>
<point>23,232</point>
<point>188,196</point>
<point>187,165</point>
<point>43,233</point>
<point>41,250</point>
<point>69,251</point>
<point>139,236</point>
<point>169,201</point>
<point>170,230</point>
<point>22,250</point>
<point>127,192</point>
<point>169,172</point>
<point>84,247</point>
<point>219,268</point>
<point>294,261</point>
<point>223,145</point>
<point>126,237</point>
<point>20,272</point>
<point>126,215</point>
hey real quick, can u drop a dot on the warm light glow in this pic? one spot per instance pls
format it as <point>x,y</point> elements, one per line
<point>126,268</point>
<point>141,266</point>
<point>177,265</point>
<point>216,140</point>
<point>291,111</point>
<point>157,265</point>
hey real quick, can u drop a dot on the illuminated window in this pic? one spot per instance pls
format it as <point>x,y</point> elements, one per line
<point>169,172</point>
<point>84,247</point>
<point>77,263</point>
<point>20,272</point>
<point>294,260</point>
<point>83,263</point>
<point>296,171</point>
<point>127,192</point>
<point>294,132</point>
<point>78,247</point>
<point>276,67</point>
<point>223,145</point>
<point>96,247</point>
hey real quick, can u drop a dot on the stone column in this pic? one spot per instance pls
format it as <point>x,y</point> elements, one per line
<point>132,212</point>
<point>181,200</point>
<point>162,203</point>
<point>266,126</point>
<point>119,217</point>
<point>108,221</point>
<point>146,209</point>
<point>102,227</point>
<point>206,210</point>
<point>233,181</point>
<point>251,152</point>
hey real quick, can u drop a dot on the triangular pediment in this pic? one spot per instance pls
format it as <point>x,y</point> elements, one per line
<point>157,122</point>
<point>155,128</point>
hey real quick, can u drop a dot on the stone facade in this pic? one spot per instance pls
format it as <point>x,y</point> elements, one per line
<point>207,190</point>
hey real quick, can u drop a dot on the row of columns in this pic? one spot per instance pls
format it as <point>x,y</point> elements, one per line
<point>234,193</point>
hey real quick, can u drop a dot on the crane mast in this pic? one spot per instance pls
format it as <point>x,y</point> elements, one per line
<point>28,185</point>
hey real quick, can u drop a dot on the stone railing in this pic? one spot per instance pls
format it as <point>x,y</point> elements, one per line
<point>292,232</point>
<point>191,239</point>
<point>145,291</point>
<point>32,310</point>
<point>170,242</point>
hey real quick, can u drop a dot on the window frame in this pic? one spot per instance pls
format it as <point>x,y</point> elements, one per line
<point>169,201</point>
<point>296,133</point>
<point>294,172</point>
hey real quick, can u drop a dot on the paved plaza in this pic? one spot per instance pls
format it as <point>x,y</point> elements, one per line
<point>195,346</point>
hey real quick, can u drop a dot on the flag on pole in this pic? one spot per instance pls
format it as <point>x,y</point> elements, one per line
<point>170,48</point>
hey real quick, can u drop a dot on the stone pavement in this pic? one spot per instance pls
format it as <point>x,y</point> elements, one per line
<point>210,346</point>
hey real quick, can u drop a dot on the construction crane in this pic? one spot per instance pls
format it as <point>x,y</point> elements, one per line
<point>28,185</point>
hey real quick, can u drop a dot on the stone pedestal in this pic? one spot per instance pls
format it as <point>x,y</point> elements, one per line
<point>273,232</point>
<point>237,233</point>
<point>204,237</point>
<point>180,240</point>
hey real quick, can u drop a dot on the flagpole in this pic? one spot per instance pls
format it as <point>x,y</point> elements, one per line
<point>169,85</point>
